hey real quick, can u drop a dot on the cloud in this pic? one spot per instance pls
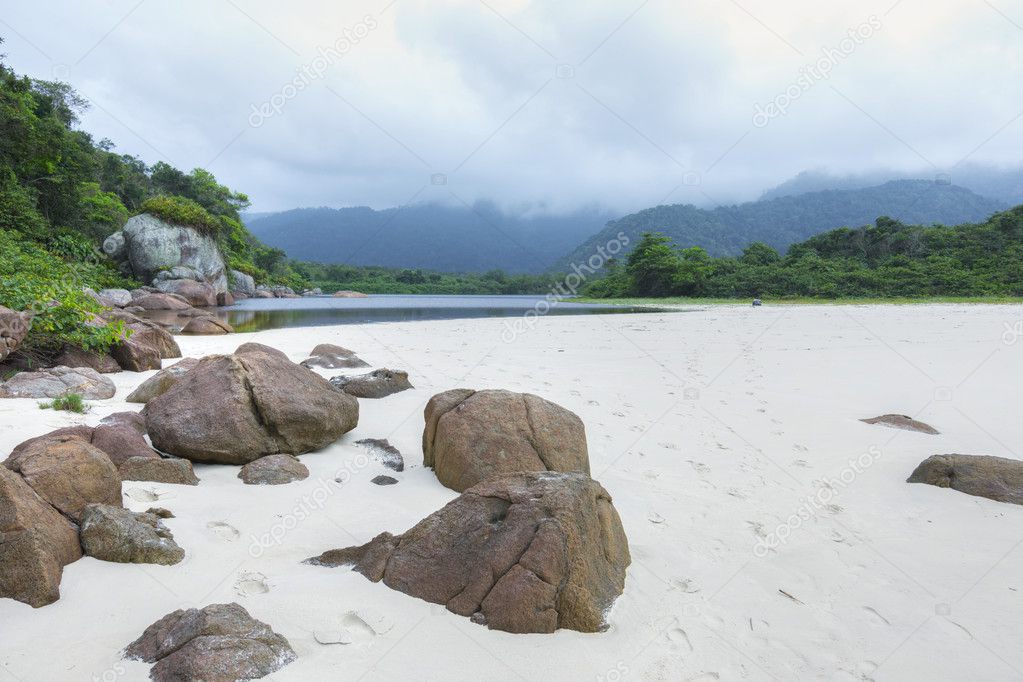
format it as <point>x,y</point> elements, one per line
<point>522,101</point>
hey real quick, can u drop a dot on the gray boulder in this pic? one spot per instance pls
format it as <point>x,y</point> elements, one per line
<point>125,537</point>
<point>219,643</point>
<point>58,382</point>
<point>118,298</point>
<point>379,383</point>
<point>274,470</point>
<point>242,283</point>
<point>995,478</point>
<point>149,246</point>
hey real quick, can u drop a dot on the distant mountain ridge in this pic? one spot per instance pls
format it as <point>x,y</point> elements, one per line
<point>1004,184</point>
<point>786,220</point>
<point>428,236</point>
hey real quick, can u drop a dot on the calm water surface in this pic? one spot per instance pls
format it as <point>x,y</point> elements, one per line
<point>257,314</point>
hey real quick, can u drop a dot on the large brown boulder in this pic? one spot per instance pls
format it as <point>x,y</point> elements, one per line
<point>36,542</point>
<point>126,537</point>
<point>529,552</point>
<point>995,478</point>
<point>196,293</point>
<point>68,472</point>
<point>145,346</point>
<point>471,436</point>
<point>379,383</point>
<point>160,383</point>
<point>120,436</point>
<point>219,643</point>
<point>57,382</point>
<point>207,326</point>
<point>103,363</point>
<point>14,328</point>
<point>233,409</point>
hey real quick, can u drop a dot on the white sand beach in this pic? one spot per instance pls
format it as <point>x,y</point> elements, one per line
<point>773,535</point>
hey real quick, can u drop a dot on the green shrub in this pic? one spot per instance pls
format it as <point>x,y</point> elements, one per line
<point>181,211</point>
<point>36,280</point>
<point>70,403</point>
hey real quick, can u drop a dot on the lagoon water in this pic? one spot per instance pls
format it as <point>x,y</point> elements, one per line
<point>257,314</point>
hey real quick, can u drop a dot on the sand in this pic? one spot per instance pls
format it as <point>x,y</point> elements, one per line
<point>773,534</point>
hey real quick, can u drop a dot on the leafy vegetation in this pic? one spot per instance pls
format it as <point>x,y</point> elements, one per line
<point>884,260</point>
<point>374,280</point>
<point>62,193</point>
<point>70,403</point>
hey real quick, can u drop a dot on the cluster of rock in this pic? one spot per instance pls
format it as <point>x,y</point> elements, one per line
<point>60,494</point>
<point>188,313</point>
<point>531,545</point>
<point>143,347</point>
<point>995,478</point>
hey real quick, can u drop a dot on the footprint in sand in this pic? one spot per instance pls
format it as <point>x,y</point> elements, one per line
<point>224,531</point>
<point>143,495</point>
<point>669,446</point>
<point>704,677</point>
<point>654,517</point>
<point>355,628</point>
<point>251,584</point>
<point>680,640</point>
<point>699,467</point>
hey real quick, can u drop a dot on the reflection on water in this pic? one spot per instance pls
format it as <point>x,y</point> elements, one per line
<point>274,313</point>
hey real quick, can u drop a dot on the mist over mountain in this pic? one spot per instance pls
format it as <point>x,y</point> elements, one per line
<point>429,236</point>
<point>1004,184</point>
<point>780,222</point>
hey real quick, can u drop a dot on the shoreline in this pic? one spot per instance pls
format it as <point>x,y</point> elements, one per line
<point>711,431</point>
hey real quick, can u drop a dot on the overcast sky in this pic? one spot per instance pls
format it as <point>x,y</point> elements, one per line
<point>625,104</point>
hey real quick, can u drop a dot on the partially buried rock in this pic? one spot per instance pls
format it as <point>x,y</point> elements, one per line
<point>160,383</point>
<point>58,382</point>
<point>219,643</point>
<point>384,452</point>
<point>471,436</point>
<point>208,326</point>
<point>995,478</point>
<point>36,542</point>
<point>174,471</point>
<point>523,553</point>
<point>123,536</point>
<point>274,470</point>
<point>69,473</point>
<point>901,421</point>
<point>234,409</point>
<point>329,356</point>
<point>379,383</point>
<point>384,480</point>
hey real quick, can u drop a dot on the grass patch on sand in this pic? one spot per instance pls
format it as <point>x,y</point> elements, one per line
<point>69,403</point>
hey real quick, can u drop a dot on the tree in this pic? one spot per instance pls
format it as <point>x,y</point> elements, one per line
<point>759,253</point>
<point>653,266</point>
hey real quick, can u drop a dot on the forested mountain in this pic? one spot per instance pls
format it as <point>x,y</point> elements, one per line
<point>727,230</point>
<point>1003,184</point>
<point>430,236</point>
<point>888,259</point>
